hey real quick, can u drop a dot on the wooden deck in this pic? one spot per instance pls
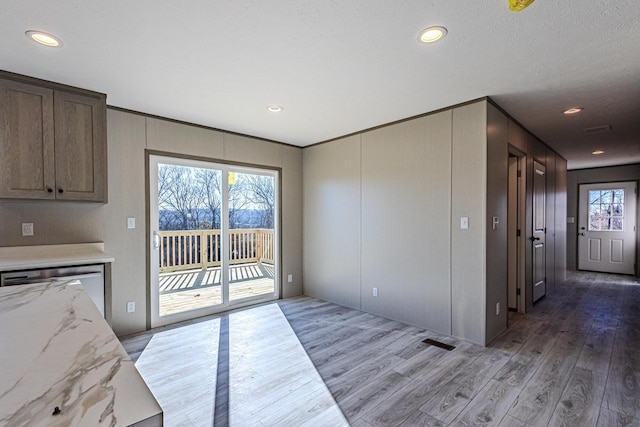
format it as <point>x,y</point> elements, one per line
<point>193,289</point>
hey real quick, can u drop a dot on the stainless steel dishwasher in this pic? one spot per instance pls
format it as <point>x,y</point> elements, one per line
<point>90,276</point>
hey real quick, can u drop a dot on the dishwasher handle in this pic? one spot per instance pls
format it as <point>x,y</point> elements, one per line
<point>81,276</point>
<point>26,280</point>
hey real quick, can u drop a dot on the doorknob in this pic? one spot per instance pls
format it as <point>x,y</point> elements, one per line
<point>580,234</point>
<point>533,238</point>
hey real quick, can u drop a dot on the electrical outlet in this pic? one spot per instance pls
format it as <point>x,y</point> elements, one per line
<point>27,229</point>
<point>375,292</point>
<point>497,308</point>
<point>131,307</point>
<point>131,222</point>
<point>290,278</point>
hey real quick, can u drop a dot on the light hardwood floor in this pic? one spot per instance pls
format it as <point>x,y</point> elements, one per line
<point>573,360</point>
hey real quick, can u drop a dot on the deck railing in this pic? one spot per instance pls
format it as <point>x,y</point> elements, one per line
<point>190,249</point>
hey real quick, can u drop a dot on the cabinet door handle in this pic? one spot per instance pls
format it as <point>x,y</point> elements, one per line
<point>49,190</point>
<point>60,190</point>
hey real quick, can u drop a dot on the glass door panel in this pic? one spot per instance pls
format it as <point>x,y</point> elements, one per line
<point>252,213</point>
<point>189,203</point>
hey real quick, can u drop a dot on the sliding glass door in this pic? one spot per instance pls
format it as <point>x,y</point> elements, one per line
<point>213,233</point>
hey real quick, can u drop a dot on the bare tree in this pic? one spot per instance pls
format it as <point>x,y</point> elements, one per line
<point>178,198</point>
<point>191,198</point>
<point>260,192</point>
<point>237,202</point>
<point>210,183</point>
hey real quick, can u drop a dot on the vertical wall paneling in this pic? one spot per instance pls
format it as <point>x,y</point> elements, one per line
<point>496,222</point>
<point>560,273</point>
<point>331,223</point>
<point>519,138</point>
<point>537,149</point>
<point>572,227</point>
<point>126,143</point>
<point>291,255</point>
<point>406,200</point>
<point>180,138</point>
<point>244,149</point>
<point>468,246</point>
<point>550,223</point>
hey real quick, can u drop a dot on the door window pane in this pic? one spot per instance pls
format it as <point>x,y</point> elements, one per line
<point>606,210</point>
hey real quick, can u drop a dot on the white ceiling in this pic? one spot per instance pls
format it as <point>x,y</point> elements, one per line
<point>338,67</point>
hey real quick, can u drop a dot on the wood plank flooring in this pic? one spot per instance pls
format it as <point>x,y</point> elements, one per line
<point>574,360</point>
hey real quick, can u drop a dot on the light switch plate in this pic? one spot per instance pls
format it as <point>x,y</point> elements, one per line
<point>290,278</point>
<point>464,222</point>
<point>131,222</point>
<point>131,307</point>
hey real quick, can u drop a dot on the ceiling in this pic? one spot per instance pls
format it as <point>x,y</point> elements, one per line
<point>339,67</point>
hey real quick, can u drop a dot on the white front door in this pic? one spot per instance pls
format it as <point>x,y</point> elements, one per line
<point>607,227</point>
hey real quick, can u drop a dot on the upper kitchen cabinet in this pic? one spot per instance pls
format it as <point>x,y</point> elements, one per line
<point>52,141</point>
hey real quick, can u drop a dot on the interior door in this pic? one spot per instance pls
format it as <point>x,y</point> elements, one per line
<point>539,231</point>
<point>607,227</point>
<point>516,242</point>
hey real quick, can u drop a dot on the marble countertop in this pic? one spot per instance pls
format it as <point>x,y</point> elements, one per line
<point>57,351</point>
<point>43,256</point>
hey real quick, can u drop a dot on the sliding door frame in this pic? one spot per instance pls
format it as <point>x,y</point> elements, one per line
<point>152,317</point>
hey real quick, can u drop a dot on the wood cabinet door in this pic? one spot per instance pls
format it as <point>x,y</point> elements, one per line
<point>80,147</point>
<point>26,141</point>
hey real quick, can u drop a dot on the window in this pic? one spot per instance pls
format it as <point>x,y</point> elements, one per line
<point>606,210</point>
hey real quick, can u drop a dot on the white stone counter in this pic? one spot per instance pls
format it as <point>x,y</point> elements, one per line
<point>57,351</point>
<point>44,256</point>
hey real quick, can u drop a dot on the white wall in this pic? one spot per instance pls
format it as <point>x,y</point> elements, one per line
<point>125,149</point>
<point>381,210</point>
<point>331,208</point>
<point>468,247</point>
<point>405,220</point>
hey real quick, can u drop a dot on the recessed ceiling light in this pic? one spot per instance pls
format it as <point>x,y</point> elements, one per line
<point>44,38</point>
<point>432,34</point>
<point>574,110</point>
<point>597,152</point>
<point>275,108</point>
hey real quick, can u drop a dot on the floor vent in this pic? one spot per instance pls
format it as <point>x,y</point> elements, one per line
<point>438,344</point>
